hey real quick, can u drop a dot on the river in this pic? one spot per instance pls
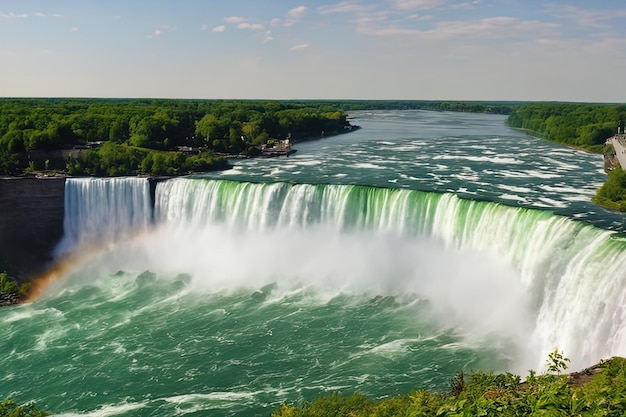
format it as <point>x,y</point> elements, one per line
<point>378,261</point>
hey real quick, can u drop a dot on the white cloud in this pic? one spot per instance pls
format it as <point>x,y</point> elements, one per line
<point>297,12</point>
<point>588,18</point>
<point>274,21</point>
<point>74,29</point>
<point>295,15</point>
<point>266,36</point>
<point>369,19</point>
<point>251,26</point>
<point>57,15</point>
<point>220,28</point>
<point>426,17</point>
<point>465,6</point>
<point>345,7</point>
<point>417,4</point>
<point>12,15</point>
<point>501,27</point>
<point>234,19</point>
<point>300,46</point>
<point>159,31</point>
<point>39,14</point>
<point>204,27</point>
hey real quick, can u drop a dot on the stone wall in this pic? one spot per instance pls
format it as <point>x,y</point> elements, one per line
<point>619,144</point>
<point>31,224</point>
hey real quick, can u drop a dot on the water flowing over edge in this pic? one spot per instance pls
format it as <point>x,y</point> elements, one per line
<point>102,210</point>
<point>573,272</point>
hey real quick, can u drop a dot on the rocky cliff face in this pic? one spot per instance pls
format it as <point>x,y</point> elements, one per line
<point>31,224</point>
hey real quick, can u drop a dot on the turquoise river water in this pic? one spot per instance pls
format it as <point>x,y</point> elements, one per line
<point>379,261</point>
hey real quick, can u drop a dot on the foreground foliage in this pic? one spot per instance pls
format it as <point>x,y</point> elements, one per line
<point>488,394</point>
<point>8,408</point>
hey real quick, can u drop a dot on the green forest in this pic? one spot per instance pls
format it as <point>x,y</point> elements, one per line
<point>109,137</point>
<point>612,194</point>
<point>583,126</point>
<point>496,107</point>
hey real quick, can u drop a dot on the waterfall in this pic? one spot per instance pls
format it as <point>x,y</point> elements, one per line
<point>102,210</point>
<point>573,273</point>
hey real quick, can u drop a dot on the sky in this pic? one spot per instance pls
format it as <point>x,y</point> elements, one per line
<point>514,50</point>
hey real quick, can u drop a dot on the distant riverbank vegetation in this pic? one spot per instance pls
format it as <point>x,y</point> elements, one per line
<point>113,137</point>
<point>612,194</point>
<point>584,126</point>
<point>145,136</point>
<point>109,137</point>
<point>496,107</point>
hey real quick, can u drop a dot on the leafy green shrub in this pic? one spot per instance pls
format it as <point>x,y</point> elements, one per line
<point>7,285</point>
<point>612,194</point>
<point>112,159</point>
<point>556,362</point>
<point>8,408</point>
<point>489,394</point>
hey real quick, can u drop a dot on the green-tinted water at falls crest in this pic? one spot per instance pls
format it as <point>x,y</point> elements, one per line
<point>232,296</point>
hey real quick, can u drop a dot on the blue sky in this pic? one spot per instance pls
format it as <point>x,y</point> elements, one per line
<point>283,49</point>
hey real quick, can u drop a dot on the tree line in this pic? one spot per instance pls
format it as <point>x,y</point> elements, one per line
<point>585,126</point>
<point>150,136</point>
<point>493,107</point>
<point>146,135</point>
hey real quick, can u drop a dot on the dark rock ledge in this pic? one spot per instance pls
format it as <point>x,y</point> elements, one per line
<point>8,299</point>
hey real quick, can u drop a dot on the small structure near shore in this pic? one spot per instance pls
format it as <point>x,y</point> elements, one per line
<point>619,146</point>
<point>279,148</point>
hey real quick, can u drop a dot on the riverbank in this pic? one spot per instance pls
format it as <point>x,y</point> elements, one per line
<point>611,195</point>
<point>31,216</point>
<point>269,153</point>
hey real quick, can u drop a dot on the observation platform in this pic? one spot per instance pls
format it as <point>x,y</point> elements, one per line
<point>619,144</point>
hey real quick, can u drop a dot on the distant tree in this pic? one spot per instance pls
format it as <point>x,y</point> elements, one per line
<point>612,194</point>
<point>119,130</point>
